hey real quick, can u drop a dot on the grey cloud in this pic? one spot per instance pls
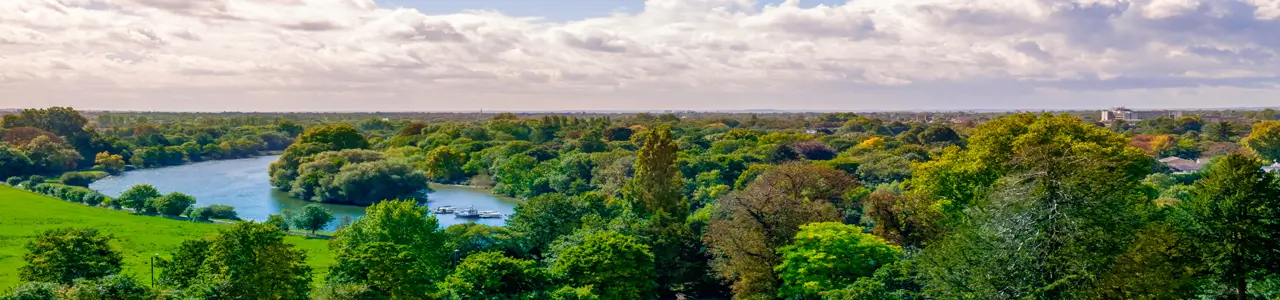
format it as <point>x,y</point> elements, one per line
<point>1158,82</point>
<point>317,25</point>
<point>595,42</point>
<point>430,32</point>
<point>1246,56</point>
<point>1032,49</point>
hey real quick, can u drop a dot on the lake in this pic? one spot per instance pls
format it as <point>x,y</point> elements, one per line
<point>244,184</point>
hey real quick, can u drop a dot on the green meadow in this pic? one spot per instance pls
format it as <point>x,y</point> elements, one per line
<point>24,214</point>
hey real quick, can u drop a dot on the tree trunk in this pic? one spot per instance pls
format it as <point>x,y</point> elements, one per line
<point>1242,291</point>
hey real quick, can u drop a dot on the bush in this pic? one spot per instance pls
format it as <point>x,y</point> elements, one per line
<point>14,181</point>
<point>74,193</point>
<point>32,291</point>
<point>173,204</point>
<point>219,211</point>
<point>110,287</point>
<point>80,178</point>
<point>94,198</point>
<point>198,213</point>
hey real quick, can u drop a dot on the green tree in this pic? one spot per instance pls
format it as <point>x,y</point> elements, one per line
<point>65,254</point>
<point>173,204</point>
<point>245,261</point>
<point>492,275</point>
<point>998,148</point>
<point>829,256</point>
<point>615,265</point>
<point>1265,140</point>
<point>138,197</point>
<point>278,221</point>
<point>183,269</point>
<point>396,249</point>
<point>114,287</point>
<point>112,163</point>
<point>33,291</point>
<point>657,185</point>
<point>313,217</point>
<point>1044,232</point>
<point>591,142</point>
<point>751,224</point>
<point>444,164</point>
<point>337,136</point>
<point>542,219</point>
<point>1233,217</point>
<point>13,162</point>
<point>51,156</point>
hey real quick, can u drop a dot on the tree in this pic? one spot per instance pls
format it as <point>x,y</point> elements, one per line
<point>64,121</point>
<point>138,197</point>
<point>51,156</point>
<point>591,142</point>
<point>470,238</point>
<point>173,204</point>
<point>245,261</point>
<point>114,287</point>
<point>337,136</point>
<point>615,265</point>
<point>905,220</point>
<point>1220,131</point>
<point>1233,216</point>
<point>491,275</point>
<point>1046,231</point>
<point>1265,140</point>
<point>619,133</point>
<point>444,164</point>
<point>938,134</point>
<point>396,249</point>
<point>657,185</point>
<point>814,150</point>
<point>278,221</point>
<point>65,254</point>
<point>751,224</point>
<point>829,256</point>
<point>313,217</point>
<point>542,219</point>
<point>13,162</point>
<point>289,127</point>
<point>112,163</point>
<point>33,291</point>
<point>994,148</point>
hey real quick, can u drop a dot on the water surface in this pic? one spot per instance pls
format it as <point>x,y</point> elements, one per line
<point>244,184</point>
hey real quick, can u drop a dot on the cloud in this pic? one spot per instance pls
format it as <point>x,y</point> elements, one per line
<point>698,54</point>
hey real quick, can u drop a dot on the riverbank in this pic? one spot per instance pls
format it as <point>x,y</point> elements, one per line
<point>23,214</point>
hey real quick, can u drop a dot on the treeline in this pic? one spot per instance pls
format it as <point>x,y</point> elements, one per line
<point>838,206</point>
<point>59,139</point>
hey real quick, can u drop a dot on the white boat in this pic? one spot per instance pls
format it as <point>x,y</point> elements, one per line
<point>444,210</point>
<point>469,212</point>
<point>490,214</point>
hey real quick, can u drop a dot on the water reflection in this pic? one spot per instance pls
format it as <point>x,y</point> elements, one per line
<point>243,183</point>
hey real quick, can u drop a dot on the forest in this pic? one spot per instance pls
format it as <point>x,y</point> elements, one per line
<point>684,205</point>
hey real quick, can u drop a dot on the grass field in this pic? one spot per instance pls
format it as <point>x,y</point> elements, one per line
<point>23,214</point>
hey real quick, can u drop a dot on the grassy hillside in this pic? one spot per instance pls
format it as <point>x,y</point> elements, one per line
<point>23,214</point>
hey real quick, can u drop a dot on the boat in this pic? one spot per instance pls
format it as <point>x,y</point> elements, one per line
<point>489,214</point>
<point>472,213</point>
<point>469,212</point>
<point>444,210</point>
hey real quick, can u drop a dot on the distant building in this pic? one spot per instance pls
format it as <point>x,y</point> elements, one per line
<point>1182,166</point>
<point>1129,115</point>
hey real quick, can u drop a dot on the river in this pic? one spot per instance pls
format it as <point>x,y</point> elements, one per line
<point>244,184</point>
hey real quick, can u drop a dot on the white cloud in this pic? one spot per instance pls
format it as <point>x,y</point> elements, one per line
<point>700,54</point>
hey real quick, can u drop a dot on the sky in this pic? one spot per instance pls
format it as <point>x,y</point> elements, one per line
<point>467,55</point>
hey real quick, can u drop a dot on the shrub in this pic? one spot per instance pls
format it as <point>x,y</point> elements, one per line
<point>94,198</point>
<point>198,213</point>
<point>74,193</point>
<point>14,180</point>
<point>32,291</point>
<point>219,211</point>
<point>173,204</point>
<point>80,178</point>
